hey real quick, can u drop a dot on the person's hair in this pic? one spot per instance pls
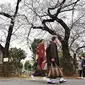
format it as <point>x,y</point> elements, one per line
<point>41,40</point>
<point>80,57</point>
<point>53,38</point>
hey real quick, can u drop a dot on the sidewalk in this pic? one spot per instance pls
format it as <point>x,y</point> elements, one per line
<point>37,77</point>
<point>40,78</point>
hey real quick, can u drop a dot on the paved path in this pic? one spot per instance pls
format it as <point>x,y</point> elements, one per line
<point>26,81</point>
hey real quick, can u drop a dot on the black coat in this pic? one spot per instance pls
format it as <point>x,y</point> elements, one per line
<point>52,52</point>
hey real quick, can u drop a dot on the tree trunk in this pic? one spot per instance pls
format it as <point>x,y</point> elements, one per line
<point>67,60</point>
<point>6,51</point>
<point>75,62</point>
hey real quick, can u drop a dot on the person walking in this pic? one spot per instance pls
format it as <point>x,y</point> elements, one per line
<point>83,65</point>
<point>52,56</point>
<point>40,52</point>
<point>80,69</point>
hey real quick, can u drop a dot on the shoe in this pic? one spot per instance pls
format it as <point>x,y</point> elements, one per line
<point>44,78</point>
<point>62,80</point>
<point>33,78</point>
<point>82,78</point>
<point>51,82</point>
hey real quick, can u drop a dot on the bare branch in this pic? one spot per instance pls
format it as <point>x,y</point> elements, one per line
<point>2,48</point>
<point>58,11</point>
<point>79,18</point>
<point>5,14</point>
<point>67,10</point>
<point>74,39</point>
<point>79,48</point>
<point>46,29</point>
<point>74,3</point>
<point>67,30</point>
<point>29,34</point>
<point>17,7</point>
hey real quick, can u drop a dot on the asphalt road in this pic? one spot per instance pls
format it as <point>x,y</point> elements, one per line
<point>25,81</point>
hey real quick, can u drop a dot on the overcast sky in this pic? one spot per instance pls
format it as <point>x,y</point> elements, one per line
<point>5,1</point>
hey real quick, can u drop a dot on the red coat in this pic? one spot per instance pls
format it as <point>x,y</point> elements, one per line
<point>40,51</point>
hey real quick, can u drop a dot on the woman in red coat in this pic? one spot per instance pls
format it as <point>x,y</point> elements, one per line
<point>40,52</point>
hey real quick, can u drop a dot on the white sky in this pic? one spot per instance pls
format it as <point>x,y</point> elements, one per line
<point>5,1</point>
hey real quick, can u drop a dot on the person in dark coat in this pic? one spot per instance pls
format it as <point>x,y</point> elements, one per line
<point>52,57</point>
<point>52,53</point>
<point>80,69</point>
<point>83,65</point>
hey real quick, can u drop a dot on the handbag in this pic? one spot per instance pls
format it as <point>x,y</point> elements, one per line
<point>54,72</point>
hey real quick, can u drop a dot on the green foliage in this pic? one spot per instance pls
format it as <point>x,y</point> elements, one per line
<point>21,65</point>
<point>61,58</point>
<point>63,64</point>
<point>34,65</point>
<point>27,65</point>
<point>83,54</point>
<point>34,45</point>
<point>17,54</point>
<point>34,57</point>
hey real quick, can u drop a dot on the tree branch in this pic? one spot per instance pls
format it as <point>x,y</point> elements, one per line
<point>79,48</point>
<point>5,14</point>
<point>46,29</point>
<point>17,7</point>
<point>67,30</point>
<point>1,48</point>
<point>74,3</point>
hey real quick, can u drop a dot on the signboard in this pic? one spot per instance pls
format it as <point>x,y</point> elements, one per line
<point>5,59</point>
